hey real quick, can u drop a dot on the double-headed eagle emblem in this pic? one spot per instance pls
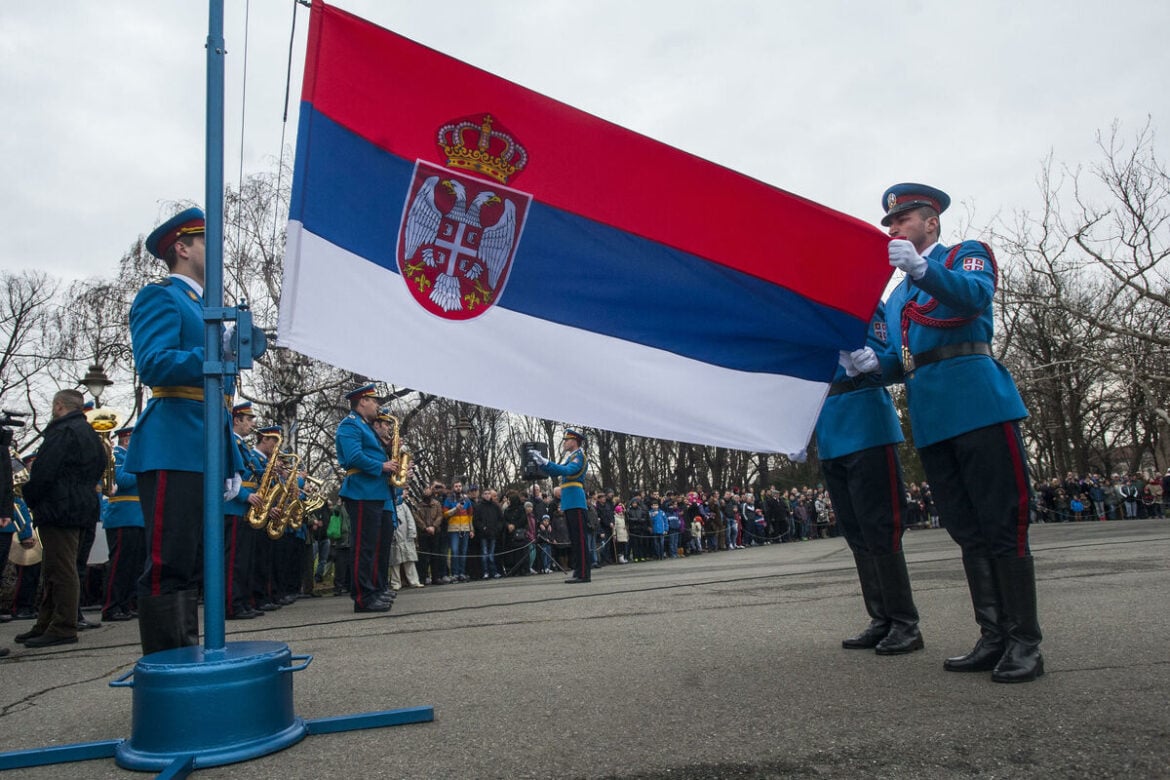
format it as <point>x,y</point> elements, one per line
<point>461,223</point>
<point>455,241</point>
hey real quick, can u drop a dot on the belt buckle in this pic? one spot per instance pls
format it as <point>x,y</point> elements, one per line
<point>907,361</point>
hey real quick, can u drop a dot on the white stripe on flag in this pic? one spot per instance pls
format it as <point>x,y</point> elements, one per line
<point>347,311</point>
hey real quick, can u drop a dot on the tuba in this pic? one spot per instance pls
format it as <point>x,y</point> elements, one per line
<point>104,421</point>
<point>268,489</point>
<point>398,453</point>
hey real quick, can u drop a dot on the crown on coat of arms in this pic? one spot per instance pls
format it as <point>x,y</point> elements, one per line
<point>494,153</point>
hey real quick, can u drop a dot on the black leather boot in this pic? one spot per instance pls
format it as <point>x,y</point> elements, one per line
<point>981,582</point>
<point>904,636</point>
<point>161,623</point>
<point>1021,661</point>
<point>190,602</point>
<point>871,594</point>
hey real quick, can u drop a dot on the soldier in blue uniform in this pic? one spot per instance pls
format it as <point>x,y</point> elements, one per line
<point>122,519</point>
<point>166,332</point>
<point>239,539</point>
<point>857,437</point>
<point>571,470</point>
<point>384,427</point>
<point>262,577</point>
<point>365,492</point>
<point>964,415</point>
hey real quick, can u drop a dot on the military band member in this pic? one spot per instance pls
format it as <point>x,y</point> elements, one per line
<point>365,492</point>
<point>125,538</point>
<point>239,539</point>
<point>858,433</point>
<point>964,415</point>
<point>571,470</point>
<point>167,451</point>
<point>264,593</point>
<point>384,426</point>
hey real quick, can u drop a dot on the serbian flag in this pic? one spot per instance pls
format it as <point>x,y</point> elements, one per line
<point>458,234</point>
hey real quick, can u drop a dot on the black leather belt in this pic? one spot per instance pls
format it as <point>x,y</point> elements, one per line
<point>947,351</point>
<point>844,386</point>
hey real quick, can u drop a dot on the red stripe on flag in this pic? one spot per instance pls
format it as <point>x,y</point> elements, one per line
<point>397,93</point>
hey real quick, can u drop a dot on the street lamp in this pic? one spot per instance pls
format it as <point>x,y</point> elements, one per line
<point>96,382</point>
<point>463,428</point>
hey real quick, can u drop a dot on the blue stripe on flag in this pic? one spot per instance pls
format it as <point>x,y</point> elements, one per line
<point>581,273</point>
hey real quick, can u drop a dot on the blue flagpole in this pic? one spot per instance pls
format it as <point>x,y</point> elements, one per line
<point>213,375</point>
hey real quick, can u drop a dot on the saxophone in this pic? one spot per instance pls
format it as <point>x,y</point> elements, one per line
<point>290,511</point>
<point>396,452</point>
<point>267,489</point>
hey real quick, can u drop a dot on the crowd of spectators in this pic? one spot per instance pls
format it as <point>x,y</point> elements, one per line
<point>1100,497</point>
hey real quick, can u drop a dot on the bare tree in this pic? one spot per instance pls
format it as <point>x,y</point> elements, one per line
<point>1087,305</point>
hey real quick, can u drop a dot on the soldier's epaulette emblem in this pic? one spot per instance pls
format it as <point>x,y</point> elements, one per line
<point>163,282</point>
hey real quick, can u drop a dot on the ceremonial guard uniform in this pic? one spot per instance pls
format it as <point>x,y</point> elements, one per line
<point>857,437</point>
<point>388,525</point>
<point>239,539</point>
<point>571,470</point>
<point>365,492</point>
<point>167,451</point>
<point>264,592</point>
<point>122,519</point>
<point>964,415</point>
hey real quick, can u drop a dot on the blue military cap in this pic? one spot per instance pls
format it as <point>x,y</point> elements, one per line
<point>908,195</point>
<point>573,433</point>
<point>362,392</point>
<point>125,430</point>
<point>186,223</point>
<point>87,406</point>
<point>243,408</point>
<point>269,430</point>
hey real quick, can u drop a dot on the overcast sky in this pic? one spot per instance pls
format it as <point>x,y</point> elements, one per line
<point>103,102</point>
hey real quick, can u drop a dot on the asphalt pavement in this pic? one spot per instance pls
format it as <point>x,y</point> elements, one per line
<point>724,665</point>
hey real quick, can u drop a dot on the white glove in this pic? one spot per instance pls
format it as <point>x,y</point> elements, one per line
<point>231,486</point>
<point>798,457</point>
<point>866,360</point>
<point>905,257</point>
<point>229,330</point>
<point>845,360</point>
<point>539,459</point>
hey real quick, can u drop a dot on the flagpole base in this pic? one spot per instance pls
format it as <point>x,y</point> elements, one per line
<point>217,706</point>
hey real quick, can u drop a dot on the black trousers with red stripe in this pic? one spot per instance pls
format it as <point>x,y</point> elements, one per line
<point>582,560</point>
<point>869,498</point>
<point>981,487</point>
<point>127,556</point>
<point>172,506</point>
<point>365,524</point>
<point>239,548</point>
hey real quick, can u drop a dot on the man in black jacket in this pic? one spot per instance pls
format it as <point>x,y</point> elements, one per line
<point>62,493</point>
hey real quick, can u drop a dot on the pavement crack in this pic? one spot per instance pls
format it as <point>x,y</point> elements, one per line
<point>29,701</point>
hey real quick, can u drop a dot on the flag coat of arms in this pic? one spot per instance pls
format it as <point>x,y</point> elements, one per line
<point>456,233</point>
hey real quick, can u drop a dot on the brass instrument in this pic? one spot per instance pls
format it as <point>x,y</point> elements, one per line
<point>290,512</point>
<point>397,453</point>
<point>315,498</point>
<point>104,421</point>
<point>269,489</point>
